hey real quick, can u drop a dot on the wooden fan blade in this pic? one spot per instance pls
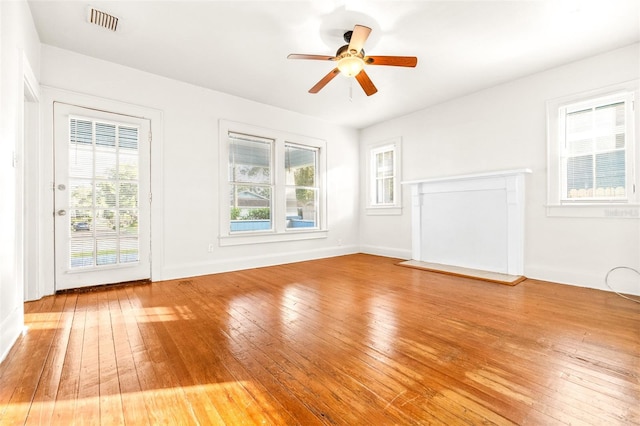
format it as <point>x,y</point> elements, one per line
<point>323,82</point>
<point>359,35</point>
<point>396,61</point>
<point>366,83</point>
<point>316,57</point>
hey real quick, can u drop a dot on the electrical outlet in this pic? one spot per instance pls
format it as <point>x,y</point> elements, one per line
<point>210,248</point>
<point>339,241</point>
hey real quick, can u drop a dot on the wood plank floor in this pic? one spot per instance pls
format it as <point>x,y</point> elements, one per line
<point>348,340</point>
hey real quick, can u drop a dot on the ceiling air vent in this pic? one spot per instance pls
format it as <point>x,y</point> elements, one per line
<point>103,19</point>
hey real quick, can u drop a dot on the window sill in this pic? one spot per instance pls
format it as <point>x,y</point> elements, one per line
<point>383,211</point>
<point>259,238</point>
<point>607,211</point>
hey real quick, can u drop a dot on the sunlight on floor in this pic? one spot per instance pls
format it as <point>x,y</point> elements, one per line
<point>41,321</point>
<point>212,402</point>
<point>163,313</point>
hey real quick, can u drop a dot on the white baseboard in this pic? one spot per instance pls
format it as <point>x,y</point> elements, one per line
<point>10,329</point>
<point>622,281</point>
<point>240,263</point>
<point>387,252</point>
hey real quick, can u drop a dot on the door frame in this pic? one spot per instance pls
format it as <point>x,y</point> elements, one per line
<point>155,116</point>
<point>30,165</point>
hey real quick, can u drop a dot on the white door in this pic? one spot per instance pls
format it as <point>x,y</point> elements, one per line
<point>102,197</point>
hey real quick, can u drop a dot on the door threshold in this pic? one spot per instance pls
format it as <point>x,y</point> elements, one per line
<point>101,287</point>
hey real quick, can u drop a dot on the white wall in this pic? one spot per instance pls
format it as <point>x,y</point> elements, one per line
<point>502,128</point>
<point>19,40</point>
<point>185,178</point>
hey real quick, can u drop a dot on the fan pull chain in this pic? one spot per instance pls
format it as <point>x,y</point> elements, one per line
<point>350,90</point>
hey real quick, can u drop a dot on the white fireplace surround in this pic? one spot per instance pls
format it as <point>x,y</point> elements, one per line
<point>473,221</point>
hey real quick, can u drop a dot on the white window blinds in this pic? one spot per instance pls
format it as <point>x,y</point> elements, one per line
<point>103,193</point>
<point>594,156</point>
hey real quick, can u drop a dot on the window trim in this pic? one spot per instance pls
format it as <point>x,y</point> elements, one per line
<point>557,205</point>
<point>278,231</point>
<point>395,208</point>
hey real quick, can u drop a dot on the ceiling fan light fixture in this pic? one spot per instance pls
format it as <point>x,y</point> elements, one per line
<point>350,65</point>
<point>350,61</point>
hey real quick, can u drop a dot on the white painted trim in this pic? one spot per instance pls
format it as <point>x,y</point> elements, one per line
<point>500,173</point>
<point>383,211</point>
<point>31,253</point>
<point>238,239</point>
<point>30,78</point>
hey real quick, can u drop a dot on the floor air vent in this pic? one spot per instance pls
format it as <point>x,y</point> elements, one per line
<point>103,19</point>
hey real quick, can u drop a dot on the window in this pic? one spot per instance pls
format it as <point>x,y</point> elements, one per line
<point>250,182</point>
<point>272,189</point>
<point>591,150</point>
<point>301,186</point>
<point>103,193</point>
<point>384,178</point>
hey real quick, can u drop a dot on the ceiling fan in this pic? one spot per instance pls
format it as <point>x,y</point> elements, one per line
<point>351,60</point>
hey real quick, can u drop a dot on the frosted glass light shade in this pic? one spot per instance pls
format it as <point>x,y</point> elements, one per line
<point>350,65</point>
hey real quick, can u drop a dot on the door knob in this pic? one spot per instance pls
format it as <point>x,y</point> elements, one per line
<point>62,212</point>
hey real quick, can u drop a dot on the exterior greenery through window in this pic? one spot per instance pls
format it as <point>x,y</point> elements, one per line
<point>301,186</point>
<point>273,185</point>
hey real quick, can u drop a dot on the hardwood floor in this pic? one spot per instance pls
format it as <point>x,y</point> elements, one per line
<point>348,340</point>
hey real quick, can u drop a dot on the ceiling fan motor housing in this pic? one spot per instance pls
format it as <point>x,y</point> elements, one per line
<point>343,52</point>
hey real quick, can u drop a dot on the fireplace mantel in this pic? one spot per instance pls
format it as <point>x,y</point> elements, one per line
<point>471,221</point>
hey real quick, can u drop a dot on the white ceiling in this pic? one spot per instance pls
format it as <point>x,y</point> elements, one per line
<point>241,47</point>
